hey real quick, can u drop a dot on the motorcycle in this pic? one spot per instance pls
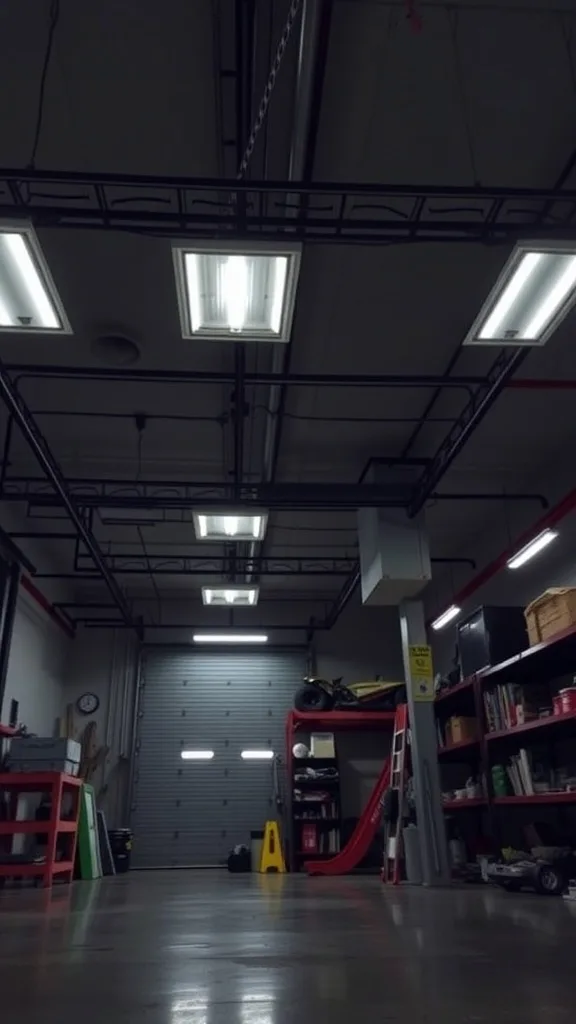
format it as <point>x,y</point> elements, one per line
<point>334,695</point>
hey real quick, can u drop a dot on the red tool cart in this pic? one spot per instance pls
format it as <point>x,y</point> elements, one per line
<point>60,827</point>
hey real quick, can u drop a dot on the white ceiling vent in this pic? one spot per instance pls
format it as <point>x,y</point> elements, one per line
<point>236,292</point>
<point>533,294</point>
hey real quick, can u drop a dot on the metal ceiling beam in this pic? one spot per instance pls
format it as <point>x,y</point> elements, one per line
<point>469,420</point>
<point>176,494</point>
<point>326,212</point>
<point>314,380</point>
<point>33,437</point>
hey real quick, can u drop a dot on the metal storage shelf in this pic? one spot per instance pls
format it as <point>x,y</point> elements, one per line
<point>31,827</point>
<point>463,805</point>
<point>339,719</point>
<point>537,798</point>
<point>59,867</point>
<point>553,657</point>
<point>466,684</point>
<point>55,784</point>
<point>538,723</point>
<point>542,663</point>
<point>454,748</point>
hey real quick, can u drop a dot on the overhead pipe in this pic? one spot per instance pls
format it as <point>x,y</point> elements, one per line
<point>315,20</point>
<point>19,410</point>
<point>336,380</point>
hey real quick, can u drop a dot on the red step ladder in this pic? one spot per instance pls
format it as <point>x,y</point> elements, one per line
<point>393,830</point>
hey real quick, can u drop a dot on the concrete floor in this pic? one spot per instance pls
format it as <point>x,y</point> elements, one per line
<point>211,948</point>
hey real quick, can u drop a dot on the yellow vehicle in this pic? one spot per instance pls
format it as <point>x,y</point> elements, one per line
<point>334,695</point>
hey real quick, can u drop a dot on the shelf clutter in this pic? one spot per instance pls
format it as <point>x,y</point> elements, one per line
<point>507,732</point>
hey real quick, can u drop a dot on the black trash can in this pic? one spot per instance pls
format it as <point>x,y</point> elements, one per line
<point>121,847</point>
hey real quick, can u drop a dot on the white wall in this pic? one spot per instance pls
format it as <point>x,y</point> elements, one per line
<point>364,643</point>
<point>104,662</point>
<point>36,668</point>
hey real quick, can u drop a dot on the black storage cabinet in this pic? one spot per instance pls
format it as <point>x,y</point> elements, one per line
<point>490,635</point>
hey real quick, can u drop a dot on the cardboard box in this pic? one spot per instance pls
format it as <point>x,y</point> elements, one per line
<point>461,729</point>
<point>551,613</point>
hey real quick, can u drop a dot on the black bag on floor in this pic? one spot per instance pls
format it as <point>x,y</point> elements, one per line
<point>239,859</point>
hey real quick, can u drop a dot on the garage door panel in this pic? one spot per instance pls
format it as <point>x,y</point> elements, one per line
<point>193,812</point>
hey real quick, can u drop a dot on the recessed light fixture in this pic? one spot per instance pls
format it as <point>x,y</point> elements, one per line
<point>446,617</point>
<point>236,292</point>
<point>531,297</point>
<point>231,596</point>
<point>236,526</point>
<point>230,638</point>
<point>532,548</point>
<point>29,301</point>
<point>257,755</point>
<point>196,755</point>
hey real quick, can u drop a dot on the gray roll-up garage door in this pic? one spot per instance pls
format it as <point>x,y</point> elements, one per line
<point>192,812</point>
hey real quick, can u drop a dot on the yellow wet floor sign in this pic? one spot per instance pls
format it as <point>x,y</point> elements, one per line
<point>271,858</point>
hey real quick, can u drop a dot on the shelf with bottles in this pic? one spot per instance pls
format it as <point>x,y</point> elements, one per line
<point>535,772</point>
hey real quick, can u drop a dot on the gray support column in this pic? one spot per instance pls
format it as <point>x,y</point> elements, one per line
<point>428,795</point>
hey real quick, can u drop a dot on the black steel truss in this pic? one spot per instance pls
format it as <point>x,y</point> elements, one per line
<point>43,455</point>
<point>478,405</point>
<point>328,212</point>
<point>173,495</point>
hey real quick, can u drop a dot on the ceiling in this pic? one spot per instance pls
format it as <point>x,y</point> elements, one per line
<point>464,95</point>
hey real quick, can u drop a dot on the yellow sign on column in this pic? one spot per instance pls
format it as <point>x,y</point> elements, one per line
<point>421,672</point>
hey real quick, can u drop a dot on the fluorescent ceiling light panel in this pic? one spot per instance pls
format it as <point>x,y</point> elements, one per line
<point>236,292</point>
<point>196,755</point>
<point>446,617</point>
<point>531,297</point>
<point>257,755</point>
<point>227,526</point>
<point>532,548</point>
<point>230,638</point>
<point>231,596</point>
<point>29,302</point>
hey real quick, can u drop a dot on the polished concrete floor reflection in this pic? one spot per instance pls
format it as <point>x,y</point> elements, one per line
<point>212,948</point>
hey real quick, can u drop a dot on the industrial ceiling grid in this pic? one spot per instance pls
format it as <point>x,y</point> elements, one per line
<point>252,402</point>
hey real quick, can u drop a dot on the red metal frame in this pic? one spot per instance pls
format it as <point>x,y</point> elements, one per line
<point>54,783</point>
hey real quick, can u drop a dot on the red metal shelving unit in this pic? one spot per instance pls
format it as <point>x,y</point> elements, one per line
<point>543,662</point>
<point>463,805</point>
<point>338,719</point>
<point>55,784</point>
<point>332,721</point>
<point>537,798</point>
<point>452,748</point>
<point>537,723</point>
<point>466,684</point>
